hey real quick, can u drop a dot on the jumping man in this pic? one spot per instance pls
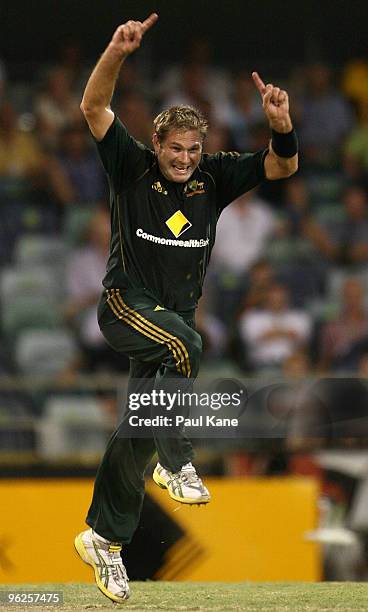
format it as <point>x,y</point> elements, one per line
<point>165,205</point>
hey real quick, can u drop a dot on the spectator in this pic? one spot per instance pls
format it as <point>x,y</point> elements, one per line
<point>344,340</point>
<point>70,58</point>
<point>301,267</point>
<point>272,333</point>
<point>198,82</point>
<point>2,80</point>
<point>137,115</point>
<point>296,208</point>
<point>297,366</point>
<point>21,157</point>
<point>218,139</point>
<point>355,239</point>
<point>212,330</point>
<point>57,106</point>
<point>356,147</point>
<point>363,366</point>
<point>79,169</point>
<point>246,111</point>
<point>326,116</point>
<point>242,234</point>
<point>261,276</point>
<point>344,240</point>
<point>30,185</point>
<point>83,279</point>
<point>192,91</point>
<point>355,82</point>
<point>133,79</point>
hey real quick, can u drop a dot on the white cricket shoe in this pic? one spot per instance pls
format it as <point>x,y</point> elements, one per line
<point>104,557</point>
<point>184,486</point>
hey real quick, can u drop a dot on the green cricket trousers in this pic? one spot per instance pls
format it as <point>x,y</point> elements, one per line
<point>164,350</point>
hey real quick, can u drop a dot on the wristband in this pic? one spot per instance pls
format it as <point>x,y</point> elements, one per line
<point>284,145</point>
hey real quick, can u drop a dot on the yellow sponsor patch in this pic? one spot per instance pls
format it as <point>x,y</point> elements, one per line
<point>178,223</point>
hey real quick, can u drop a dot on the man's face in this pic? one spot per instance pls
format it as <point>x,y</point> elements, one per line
<point>178,154</point>
<point>277,298</point>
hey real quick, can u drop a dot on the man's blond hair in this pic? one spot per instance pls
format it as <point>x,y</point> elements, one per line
<point>179,118</point>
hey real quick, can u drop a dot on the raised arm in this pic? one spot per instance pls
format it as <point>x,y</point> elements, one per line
<point>282,159</point>
<point>99,90</point>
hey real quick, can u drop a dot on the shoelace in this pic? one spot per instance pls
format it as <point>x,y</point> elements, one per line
<point>117,569</point>
<point>189,477</point>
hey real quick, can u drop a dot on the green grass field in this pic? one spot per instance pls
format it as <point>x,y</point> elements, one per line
<point>173,596</point>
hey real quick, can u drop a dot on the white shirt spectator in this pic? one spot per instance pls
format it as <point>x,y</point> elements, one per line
<point>274,333</point>
<point>85,270</point>
<point>242,233</point>
<point>267,352</point>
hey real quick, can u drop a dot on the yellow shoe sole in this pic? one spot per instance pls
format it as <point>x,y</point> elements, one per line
<point>81,550</point>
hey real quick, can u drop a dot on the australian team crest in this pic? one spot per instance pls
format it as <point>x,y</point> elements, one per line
<point>194,188</point>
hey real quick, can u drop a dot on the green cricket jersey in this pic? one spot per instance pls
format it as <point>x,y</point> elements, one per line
<point>163,232</point>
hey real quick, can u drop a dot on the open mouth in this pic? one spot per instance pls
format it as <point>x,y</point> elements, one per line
<point>181,170</point>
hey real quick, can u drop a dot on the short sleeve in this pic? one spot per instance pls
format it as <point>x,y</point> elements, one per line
<point>123,158</point>
<point>235,174</point>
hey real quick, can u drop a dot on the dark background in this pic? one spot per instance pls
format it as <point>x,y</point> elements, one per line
<point>247,30</point>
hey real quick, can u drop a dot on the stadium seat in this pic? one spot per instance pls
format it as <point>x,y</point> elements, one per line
<point>331,212</point>
<point>74,409</point>
<point>73,427</point>
<point>323,310</point>
<point>11,222</point>
<point>19,215</point>
<point>77,220</point>
<point>37,249</point>
<point>337,278</point>
<point>37,280</point>
<point>30,297</point>
<point>324,186</point>
<point>44,353</point>
<point>280,250</point>
<point>17,423</point>
<point>30,312</point>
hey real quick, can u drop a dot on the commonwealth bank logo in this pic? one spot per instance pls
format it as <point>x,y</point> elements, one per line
<point>178,223</point>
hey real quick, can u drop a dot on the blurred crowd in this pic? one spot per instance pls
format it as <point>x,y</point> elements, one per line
<point>287,285</point>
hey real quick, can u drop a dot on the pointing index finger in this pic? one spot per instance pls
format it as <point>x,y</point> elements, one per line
<point>149,22</point>
<point>259,83</point>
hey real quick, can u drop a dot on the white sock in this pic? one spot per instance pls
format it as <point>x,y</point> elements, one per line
<point>101,539</point>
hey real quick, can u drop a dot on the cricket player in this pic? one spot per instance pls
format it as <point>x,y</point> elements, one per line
<point>165,204</point>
